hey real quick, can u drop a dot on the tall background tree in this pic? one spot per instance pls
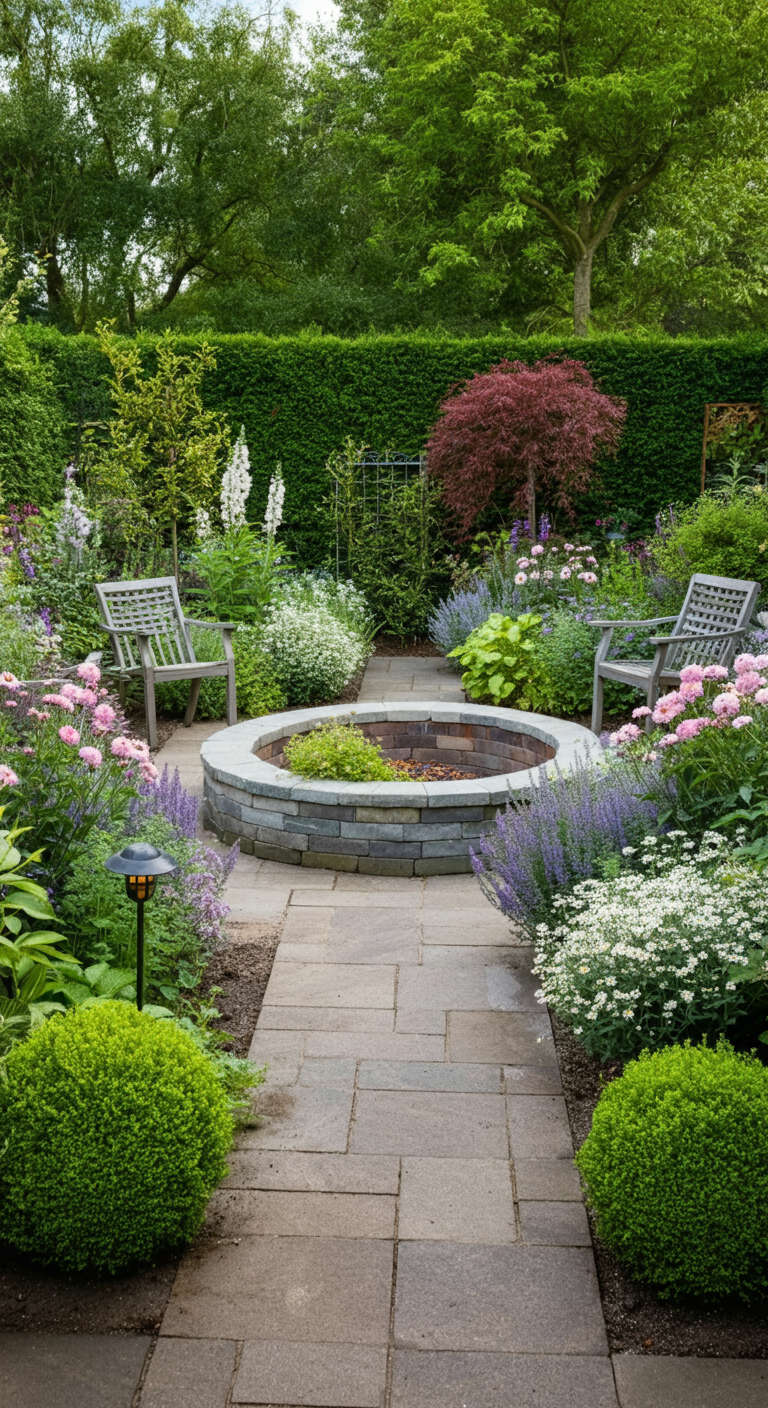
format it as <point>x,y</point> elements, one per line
<point>524,132</point>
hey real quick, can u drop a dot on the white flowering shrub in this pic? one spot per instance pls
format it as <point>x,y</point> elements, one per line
<point>342,599</point>
<point>313,654</point>
<point>658,953</point>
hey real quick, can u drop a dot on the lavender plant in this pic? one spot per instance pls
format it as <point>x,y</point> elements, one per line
<point>546,845</point>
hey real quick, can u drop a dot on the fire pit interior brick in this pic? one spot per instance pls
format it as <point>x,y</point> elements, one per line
<point>412,827</point>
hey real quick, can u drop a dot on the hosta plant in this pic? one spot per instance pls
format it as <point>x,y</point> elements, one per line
<point>497,659</point>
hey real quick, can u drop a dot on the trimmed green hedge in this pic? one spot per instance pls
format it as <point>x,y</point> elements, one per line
<point>299,397</point>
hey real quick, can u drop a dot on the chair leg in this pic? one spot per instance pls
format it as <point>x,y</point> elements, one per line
<point>150,709</point>
<point>122,690</point>
<point>597,704</point>
<point>231,695</point>
<point>194,695</point>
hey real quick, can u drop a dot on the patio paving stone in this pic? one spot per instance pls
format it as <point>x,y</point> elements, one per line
<point>195,1373</point>
<point>326,1376</point>
<point>431,1123</point>
<point>490,1380</point>
<point>457,1200</point>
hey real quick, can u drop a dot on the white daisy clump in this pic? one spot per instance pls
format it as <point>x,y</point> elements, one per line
<point>235,486</point>
<point>654,955</point>
<point>273,516</point>
<point>343,599</point>
<point>313,654</point>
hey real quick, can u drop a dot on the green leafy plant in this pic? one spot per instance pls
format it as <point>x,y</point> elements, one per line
<point>116,1129</point>
<point>338,750</point>
<point>239,573</point>
<point>29,956</point>
<point>313,655</point>
<point>725,536</point>
<point>258,689</point>
<point>676,1170</point>
<point>498,658</point>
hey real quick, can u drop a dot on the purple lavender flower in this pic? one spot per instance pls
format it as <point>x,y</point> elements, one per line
<point>26,562</point>
<point>545,528</point>
<point>559,837</point>
<point>167,798</point>
<point>45,616</point>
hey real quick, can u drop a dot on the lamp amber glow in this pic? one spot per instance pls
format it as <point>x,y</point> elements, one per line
<point>141,865</point>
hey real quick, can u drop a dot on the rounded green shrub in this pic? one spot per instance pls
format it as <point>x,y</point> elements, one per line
<point>676,1170</point>
<point>724,536</point>
<point>258,689</point>
<point>339,751</point>
<point>113,1134</point>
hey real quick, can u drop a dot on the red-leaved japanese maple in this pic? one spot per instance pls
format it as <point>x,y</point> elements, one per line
<point>524,428</point>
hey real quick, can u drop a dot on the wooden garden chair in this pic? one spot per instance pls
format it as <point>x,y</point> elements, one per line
<point>150,637</point>
<point>716,611</point>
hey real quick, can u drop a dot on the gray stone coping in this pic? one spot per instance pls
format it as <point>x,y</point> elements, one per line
<point>229,756</point>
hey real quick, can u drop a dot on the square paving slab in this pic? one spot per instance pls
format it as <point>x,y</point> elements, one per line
<point>539,1127</point>
<point>501,1037</point>
<point>312,1118</point>
<point>436,1124</point>
<point>529,1300</point>
<point>328,1376</point>
<point>330,985</point>
<point>70,1371</point>
<point>428,1075</point>
<point>665,1381</point>
<point>195,1373</point>
<point>424,1380</point>
<point>300,1288</point>
<point>457,1200</point>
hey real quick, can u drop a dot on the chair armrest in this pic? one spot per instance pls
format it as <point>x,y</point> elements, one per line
<point>697,635</point>
<point>212,625</point>
<point>122,630</point>
<point>654,621</point>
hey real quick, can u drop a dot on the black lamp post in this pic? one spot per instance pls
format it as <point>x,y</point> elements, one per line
<point>141,864</point>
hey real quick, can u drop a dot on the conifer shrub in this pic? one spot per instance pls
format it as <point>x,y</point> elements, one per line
<point>676,1170</point>
<point>114,1129</point>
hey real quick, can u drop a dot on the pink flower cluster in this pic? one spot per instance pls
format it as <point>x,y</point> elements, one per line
<point>529,568</point>
<point>96,718</point>
<point>725,708</point>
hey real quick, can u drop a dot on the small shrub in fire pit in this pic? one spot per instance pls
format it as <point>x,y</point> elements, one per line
<point>338,751</point>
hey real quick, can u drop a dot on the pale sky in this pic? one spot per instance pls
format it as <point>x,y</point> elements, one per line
<point>309,11</point>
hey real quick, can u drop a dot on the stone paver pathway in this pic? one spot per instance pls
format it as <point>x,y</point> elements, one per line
<point>404,1229</point>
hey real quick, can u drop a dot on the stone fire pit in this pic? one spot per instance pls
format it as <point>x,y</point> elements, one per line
<point>381,828</point>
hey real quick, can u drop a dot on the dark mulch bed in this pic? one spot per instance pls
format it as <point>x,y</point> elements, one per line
<point>393,645</point>
<point>636,1320</point>
<point>32,1299</point>
<point>430,772</point>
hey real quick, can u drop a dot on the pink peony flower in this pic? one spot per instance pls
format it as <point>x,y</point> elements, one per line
<point>691,673</point>
<point>91,756</point>
<point>11,703</point>
<point>89,672</point>
<point>9,681</point>
<point>149,772</point>
<point>103,718</point>
<point>588,577</point>
<point>8,777</point>
<point>668,707</point>
<point>537,550</point>
<point>668,740</point>
<point>520,579</point>
<point>61,702</point>
<point>69,691</point>
<point>139,749</point>
<point>761,662</point>
<point>626,734</point>
<point>715,672</point>
<point>727,703</point>
<point>641,712</point>
<point>744,663</point>
<point>523,562</point>
<point>741,721</point>
<point>689,728</point>
<point>749,682</point>
<point>565,573</point>
<point>761,697</point>
<point>690,690</point>
<point>121,747</point>
<point>69,735</point>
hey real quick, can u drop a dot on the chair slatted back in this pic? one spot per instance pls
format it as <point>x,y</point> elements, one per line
<point>151,606</point>
<point>712,604</point>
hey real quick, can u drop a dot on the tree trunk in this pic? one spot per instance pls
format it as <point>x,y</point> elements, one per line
<point>532,504</point>
<point>582,294</point>
<point>175,547</point>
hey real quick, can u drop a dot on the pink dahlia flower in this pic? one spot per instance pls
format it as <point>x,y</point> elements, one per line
<point>668,707</point>
<point>749,682</point>
<point>691,674</point>
<point>715,672</point>
<point>89,672</point>
<point>742,721</point>
<point>69,735</point>
<point>744,663</point>
<point>690,690</point>
<point>91,756</point>
<point>8,777</point>
<point>727,703</point>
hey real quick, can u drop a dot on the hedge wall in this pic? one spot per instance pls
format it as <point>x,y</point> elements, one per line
<point>298,397</point>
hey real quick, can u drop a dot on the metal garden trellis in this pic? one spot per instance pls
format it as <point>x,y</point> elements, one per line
<point>363,482</point>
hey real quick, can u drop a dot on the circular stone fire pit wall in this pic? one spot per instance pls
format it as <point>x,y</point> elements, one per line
<point>381,828</point>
